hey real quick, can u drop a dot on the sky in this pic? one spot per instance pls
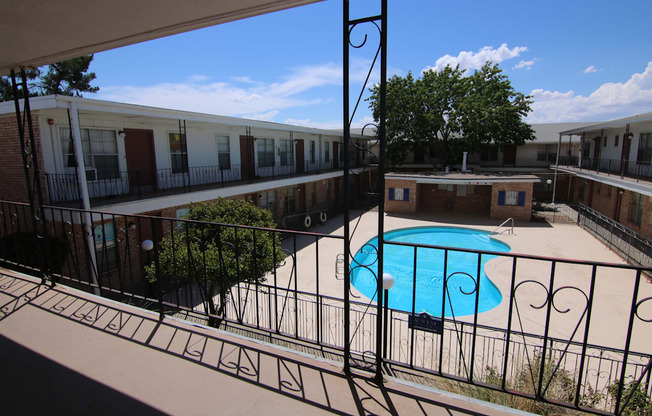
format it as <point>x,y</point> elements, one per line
<point>579,60</point>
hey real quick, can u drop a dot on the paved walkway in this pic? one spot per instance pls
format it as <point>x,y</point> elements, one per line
<point>68,352</point>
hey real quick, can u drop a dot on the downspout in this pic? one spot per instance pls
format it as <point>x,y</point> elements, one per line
<point>83,190</point>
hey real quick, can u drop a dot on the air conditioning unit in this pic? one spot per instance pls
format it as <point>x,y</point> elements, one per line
<point>91,174</point>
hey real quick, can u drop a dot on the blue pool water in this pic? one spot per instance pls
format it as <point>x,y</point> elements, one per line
<point>399,262</point>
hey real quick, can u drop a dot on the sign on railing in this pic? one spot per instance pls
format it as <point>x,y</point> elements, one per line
<point>425,322</point>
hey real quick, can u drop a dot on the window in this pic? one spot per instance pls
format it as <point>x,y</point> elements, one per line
<point>312,152</point>
<point>511,198</point>
<point>100,149</point>
<point>616,140</point>
<point>609,191</point>
<point>106,250</point>
<point>489,154</point>
<point>399,194</point>
<point>461,190</point>
<point>268,201</point>
<point>604,141</point>
<point>289,204</point>
<point>285,149</point>
<point>599,187</point>
<point>182,213</point>
<point>313,194</point>
<point>645,148</point>
<point>547,153</point>
<point>178,152</point>
<point>327,152</point>
<point>582,189</point>
<point>636,208</point>
<point>223,152</point>
<point>265,152</point>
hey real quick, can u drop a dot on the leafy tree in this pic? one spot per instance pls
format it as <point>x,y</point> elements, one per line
<point>69,77</point>
<point>7,91</point>
<point>451,112</point>
<point>212,256</point>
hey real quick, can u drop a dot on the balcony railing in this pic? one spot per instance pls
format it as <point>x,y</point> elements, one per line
<point>618,167</point>
<point>140,184</point>
<point>561,335</point>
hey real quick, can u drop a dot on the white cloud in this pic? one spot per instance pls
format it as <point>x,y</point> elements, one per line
<point>243,96</point>
<point>611,100</point>
<point>591,69</point>
<point>268,116</point>
<point>333,124</point>
<point>198,78</point>
<point>524,64</point>
<point>475,60</point>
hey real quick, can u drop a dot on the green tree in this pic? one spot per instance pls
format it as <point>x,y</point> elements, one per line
<point>69,77</point>
<point>7,91</point>
<point>212,256</point>
<point>451,112</point>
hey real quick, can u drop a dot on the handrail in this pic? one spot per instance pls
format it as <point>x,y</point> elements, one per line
<point>511,231</point>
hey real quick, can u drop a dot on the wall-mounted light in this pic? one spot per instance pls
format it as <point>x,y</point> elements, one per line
<point>296,141</point>
<point>132,225</point>
<point>121,134</point>
<point>147,245</point>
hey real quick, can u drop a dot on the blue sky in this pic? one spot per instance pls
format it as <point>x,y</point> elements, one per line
<point>580,60</point>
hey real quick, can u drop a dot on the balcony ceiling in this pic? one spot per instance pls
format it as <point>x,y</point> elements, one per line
<point>36,33</point>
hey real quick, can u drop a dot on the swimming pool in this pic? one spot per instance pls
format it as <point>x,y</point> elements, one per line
<point>399,262</point>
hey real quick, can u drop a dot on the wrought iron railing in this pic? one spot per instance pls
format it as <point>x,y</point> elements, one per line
<point>634,247</point>
<point>63,188</point>
<point>618,167</point>
<point>566,332</point>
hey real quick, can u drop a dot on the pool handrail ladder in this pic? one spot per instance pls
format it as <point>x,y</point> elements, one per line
<point>509,230</point>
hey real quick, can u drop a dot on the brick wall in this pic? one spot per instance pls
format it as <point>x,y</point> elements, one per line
<point>12,186</point>
<point>502,212</point>
<point>439,198</point>
<point>604,198</point>
<point>402,207</point>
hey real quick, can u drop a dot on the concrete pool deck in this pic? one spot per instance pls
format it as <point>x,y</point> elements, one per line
<point>613,291</point>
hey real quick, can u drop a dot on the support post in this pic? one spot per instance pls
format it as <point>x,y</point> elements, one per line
<point>83,190</point>
<point>345,145</point>
<point>554,184</point>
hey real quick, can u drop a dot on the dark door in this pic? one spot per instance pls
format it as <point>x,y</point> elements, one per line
<point>299,153</point>
<point>301,198</point>
<point>509,155</point>
<point>141,160</point>
<point>336,155</point>
<point>247,160</point>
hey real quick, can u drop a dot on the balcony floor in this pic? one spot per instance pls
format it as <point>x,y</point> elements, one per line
<point>68,352</point>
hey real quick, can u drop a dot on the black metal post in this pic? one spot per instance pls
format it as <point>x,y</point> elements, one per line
<point>32,174</point>
<point>347,232</point>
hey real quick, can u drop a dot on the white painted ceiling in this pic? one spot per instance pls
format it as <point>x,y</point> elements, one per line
<point>40,32</point>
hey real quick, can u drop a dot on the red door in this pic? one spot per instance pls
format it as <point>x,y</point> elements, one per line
<point>247,160</point>
<point>141,160</point>
<point>299,153</point>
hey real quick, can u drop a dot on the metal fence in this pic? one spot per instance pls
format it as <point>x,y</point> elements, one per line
<point>634,247</point>
<point>618,167</point>
<point>63,188</point>
<point>561,333</point>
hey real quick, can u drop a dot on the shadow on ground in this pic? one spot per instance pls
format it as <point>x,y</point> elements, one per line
<point>32,383</point>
